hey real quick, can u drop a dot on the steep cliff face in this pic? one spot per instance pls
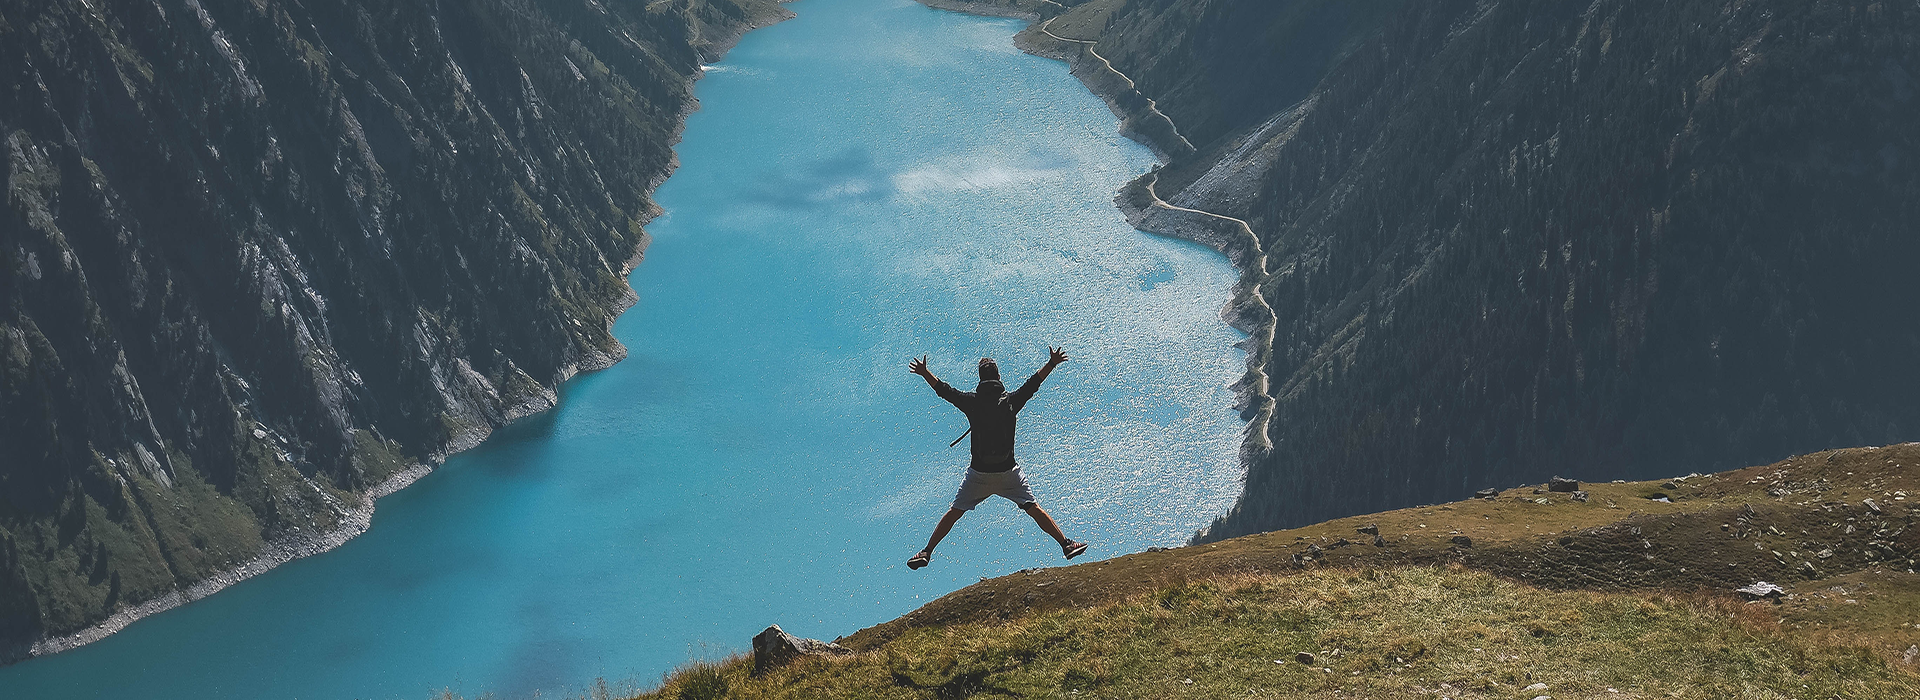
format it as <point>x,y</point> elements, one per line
<point>259,256</point>
<point>1502,239</point>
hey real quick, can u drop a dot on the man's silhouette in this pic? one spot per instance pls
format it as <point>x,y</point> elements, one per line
<point>990,413</point>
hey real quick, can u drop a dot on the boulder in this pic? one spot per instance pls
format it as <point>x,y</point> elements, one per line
<point>1487,493</point>
<point>1304,657</point>
<point>1370,529</point>
<point>773,648</point>
<point>1559,485</point>
<point>1462,541</point>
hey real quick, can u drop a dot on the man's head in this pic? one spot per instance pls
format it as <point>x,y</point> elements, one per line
<point>990,378</point>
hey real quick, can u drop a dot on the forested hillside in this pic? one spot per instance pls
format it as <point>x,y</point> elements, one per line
<point>257,257</point>
<point>1505,239</point>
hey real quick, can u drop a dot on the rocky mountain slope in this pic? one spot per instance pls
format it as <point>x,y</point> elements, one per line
<point>1488,241</point>
<point>258,259</point>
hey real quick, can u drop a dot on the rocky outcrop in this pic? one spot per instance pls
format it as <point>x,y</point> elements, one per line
<point>262,259</point>
<point>773,648</point>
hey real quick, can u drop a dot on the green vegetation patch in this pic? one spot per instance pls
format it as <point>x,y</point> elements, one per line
<point>1400,632</point>
<point>375,458</point>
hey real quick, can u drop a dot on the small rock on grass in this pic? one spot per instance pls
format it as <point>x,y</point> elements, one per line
<point>1304,657</point>
<point>1487,493</point>
<point>773,648</point>
<point>1761,589</point>
<point>1463,540</point>
<point>1559,485</point>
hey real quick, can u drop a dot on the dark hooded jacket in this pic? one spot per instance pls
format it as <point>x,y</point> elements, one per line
<point>991,410</point>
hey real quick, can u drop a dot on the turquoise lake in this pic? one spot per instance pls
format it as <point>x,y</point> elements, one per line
<point>869,182</point>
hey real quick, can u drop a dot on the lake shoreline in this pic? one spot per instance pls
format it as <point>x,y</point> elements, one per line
<point>358,518</point>
<point>1246,311</point>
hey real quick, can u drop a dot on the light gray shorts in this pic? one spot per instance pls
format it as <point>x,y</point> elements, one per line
<point>1009,484</point>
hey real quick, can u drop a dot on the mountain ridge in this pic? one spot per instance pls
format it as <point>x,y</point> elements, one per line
<point>1505,239</point>
<point>265,262</point>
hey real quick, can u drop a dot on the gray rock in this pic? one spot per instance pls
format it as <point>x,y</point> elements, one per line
<point>1761,589</point>
<point>1304,657</point>
<point>1487,493</point>
<point>1580,496</point>
<point>1370,529</point>
<point>1463,540</point>
<point>1559,485</point>
<point>1875,507</point>
<point>773,648</point>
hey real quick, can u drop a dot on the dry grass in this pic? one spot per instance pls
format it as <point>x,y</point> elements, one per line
<point>1800,523</point>
<point>1411,632</point>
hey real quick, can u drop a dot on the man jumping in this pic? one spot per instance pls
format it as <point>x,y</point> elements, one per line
<point>990,414</point>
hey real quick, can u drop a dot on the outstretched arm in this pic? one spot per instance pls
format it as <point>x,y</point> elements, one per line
<point>919,366</point>
<point>1055,356</point>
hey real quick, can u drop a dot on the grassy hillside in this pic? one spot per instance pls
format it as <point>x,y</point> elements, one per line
<point>1623,590</point>
<point>1402,632</point>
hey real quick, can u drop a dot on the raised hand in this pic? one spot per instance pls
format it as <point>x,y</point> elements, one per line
<point>1055,356</point>
<point>919,366</point>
